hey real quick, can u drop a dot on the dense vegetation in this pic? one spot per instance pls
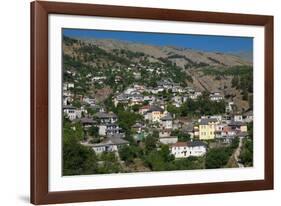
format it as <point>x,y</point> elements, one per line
<point>246,155</point>
<point>218,157</point>
<point>126,118</point>
<point>77,159</point>
<point>159,159</point>
<point>82,160</point>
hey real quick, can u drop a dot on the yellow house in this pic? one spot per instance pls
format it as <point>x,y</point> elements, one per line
<point>207,128</point>
<point>243,128</point>
<point>157,115</point>
<point>154,114</point>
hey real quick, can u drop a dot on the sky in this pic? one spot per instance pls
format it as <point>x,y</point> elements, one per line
<point>224,44</point>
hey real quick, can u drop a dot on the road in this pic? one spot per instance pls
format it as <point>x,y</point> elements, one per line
<point>237,153</point>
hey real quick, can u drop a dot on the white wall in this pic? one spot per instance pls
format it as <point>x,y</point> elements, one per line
<point>14,80</point>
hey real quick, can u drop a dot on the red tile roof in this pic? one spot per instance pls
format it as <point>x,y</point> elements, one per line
<point>180,144</point>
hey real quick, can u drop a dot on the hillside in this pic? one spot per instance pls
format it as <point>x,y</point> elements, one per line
<point>181,56</point>
<point>204,71</point>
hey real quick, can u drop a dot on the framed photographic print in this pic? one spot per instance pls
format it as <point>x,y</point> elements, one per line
<point>133,102</point>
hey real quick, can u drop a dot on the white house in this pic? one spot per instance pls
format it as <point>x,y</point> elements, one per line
<point>130,90</point>
<point>177,101</point>
<point>238,118</point>
<point>106,118</point>
<point>109,145</point>
<point>70,85</point>
<point>90,101</point>
<point>197,148</point>
<point>194,95</point>
<point>187,149</point>
<point>137,75</point>
<point>248,116</point>
<point>177,89</point>
<point>167,121</point>
<point>218,117</point>
<point>67,85</point>
<point>72,112</point>
<point>98,79</point>
<point>67,100</point>
<point>139,88</point>
<point>168,140</point>
<point>180,150</point>
<point>121,98</point>
<point>219,129</point>
<point>216,96</point>
<point>135,99</point>
<point>165,133</point>
<point>229,107</point>
<point>109,129</point>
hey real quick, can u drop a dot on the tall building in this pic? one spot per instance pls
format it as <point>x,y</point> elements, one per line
<point>207,128</point>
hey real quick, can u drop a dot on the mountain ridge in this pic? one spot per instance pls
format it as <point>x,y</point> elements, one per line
<point>179,55</point>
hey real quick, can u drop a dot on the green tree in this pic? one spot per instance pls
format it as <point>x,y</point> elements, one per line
<point>245,95</point>
<point>166,154</point>
<point>217,157</point>
<point>136,107</point>
<point>128,153</point>
<point>127,119</point>
<point>246,155</point>
<point>150,143</point>
<point>173,110</point>
<point>78,159</point>
<point>155,161</point>
<point>93,131</point>
<point>250,101</point>
<point>250,130</point>
<point>235,82</point>
<point>182,137</point>
<point>72,131</point>
<point>109,164</point>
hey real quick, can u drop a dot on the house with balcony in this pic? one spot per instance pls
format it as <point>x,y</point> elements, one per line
<point>72,112</point>
<point>106,118</point>
<point>187,149</point>
<point>109,129</point>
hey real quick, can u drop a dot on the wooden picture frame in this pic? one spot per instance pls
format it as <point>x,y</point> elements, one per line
<point>39,102</point>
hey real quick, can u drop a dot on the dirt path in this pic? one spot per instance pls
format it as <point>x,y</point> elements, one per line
<point>237,153</point>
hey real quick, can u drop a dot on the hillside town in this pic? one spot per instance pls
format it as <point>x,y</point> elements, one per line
<point>185,137</point>
<point>130,112</point>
